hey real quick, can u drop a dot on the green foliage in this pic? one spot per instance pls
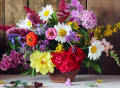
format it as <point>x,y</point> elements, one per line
<point>86,35</point>
<point>33,73</point>
<point>53,21</point>
<point>113,55</point>
<point>17,83</point>
<point>92,85</point>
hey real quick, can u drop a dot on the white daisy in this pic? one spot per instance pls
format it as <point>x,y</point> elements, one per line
<point>24,23</point>
<point>62,31</point>
<point>46,12</point>
<point>95,50</point>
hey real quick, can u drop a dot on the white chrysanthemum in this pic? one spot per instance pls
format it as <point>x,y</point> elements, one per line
<point>62,31</point>
<point>95,50</point>
<point>46,12</point>
<point>24,23</point>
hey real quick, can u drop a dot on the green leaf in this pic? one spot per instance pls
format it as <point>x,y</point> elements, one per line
<point>33,73</point>
<point>84,47</point>
<point>87,63</point>
<point>53,21</point>
<point>12,82</point>
<point>86,36</point>
<point>96,67</point>
<point>26,72</point>
<point>19,81</point>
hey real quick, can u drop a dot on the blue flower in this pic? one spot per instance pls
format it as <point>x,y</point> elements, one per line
<point>12,37</point>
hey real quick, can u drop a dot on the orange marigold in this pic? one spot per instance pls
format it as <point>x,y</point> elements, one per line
<point>31,39</point>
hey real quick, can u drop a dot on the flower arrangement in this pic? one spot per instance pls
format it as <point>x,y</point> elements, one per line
<point>62,40</point>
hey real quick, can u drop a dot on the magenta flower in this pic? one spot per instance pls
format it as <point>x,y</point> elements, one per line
<point>68,83</point>
<point>51,33</point>
<point>19,31</point>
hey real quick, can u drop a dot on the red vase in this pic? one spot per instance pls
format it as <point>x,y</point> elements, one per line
<point>59,77</point>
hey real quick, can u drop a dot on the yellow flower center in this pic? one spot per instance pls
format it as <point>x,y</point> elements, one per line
<point>93,49</point>
<point>62,32</point>
<point>29,23</point>
<point>42,62</point>
<point>46,13</point>
<point>30,39</point>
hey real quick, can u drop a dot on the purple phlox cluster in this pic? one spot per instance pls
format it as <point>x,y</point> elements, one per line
<point>34,18</point>
<point>88,19</point>
<point>72,37</point>
<point>68,83</point>
<point>75,13</point>
<point>23,48</point>
<point>12,37</point>
<point>74,49</point>
<point>76,3</point>
<point>43,45</point>
<point>19,31</point>
<point>21,39</point>
<point>11,61</point>
<point>91,35</point>
<point>39,31</point>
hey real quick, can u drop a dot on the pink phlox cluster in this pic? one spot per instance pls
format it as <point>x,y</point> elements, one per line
<point>88,19</point>
<point>19,31</point>
<point>11,61</point>
<point>106,45</point>
<point>76,3</point>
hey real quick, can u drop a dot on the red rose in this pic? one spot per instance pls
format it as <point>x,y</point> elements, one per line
<point>69,64</point>
<point>58,58</point>
<point>79,54</point>
<point>68,61</point>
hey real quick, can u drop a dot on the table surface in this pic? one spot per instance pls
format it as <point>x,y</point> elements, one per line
<point>109,81</point>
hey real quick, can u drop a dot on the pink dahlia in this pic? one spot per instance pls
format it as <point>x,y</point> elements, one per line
<point>51,33</point>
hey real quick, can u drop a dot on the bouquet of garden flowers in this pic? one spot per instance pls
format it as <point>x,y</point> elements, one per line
<point>62,40</point>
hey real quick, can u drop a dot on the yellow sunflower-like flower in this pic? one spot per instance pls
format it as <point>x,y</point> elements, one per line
<point>59,48</point>
<point>42,62</point>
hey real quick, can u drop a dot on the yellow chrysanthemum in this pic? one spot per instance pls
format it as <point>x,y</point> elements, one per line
<point>59,48</point>
<point>99,81</point>
<point>42,62</point>
<point>73,25</point>
<point>1,82</point>
<point>118,25</point>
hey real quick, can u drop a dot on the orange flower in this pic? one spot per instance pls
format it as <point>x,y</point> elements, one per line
<point>31,39</point>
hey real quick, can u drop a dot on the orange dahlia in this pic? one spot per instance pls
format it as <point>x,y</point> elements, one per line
<point>31,39</point>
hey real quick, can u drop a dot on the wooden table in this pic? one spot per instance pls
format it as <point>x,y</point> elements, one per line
<point>109,81</point>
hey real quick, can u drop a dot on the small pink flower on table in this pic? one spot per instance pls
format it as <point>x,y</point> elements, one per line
<point>68,83</point>
<point>51,33</point>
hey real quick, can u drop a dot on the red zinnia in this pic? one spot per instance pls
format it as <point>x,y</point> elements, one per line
<point>31,39</point>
